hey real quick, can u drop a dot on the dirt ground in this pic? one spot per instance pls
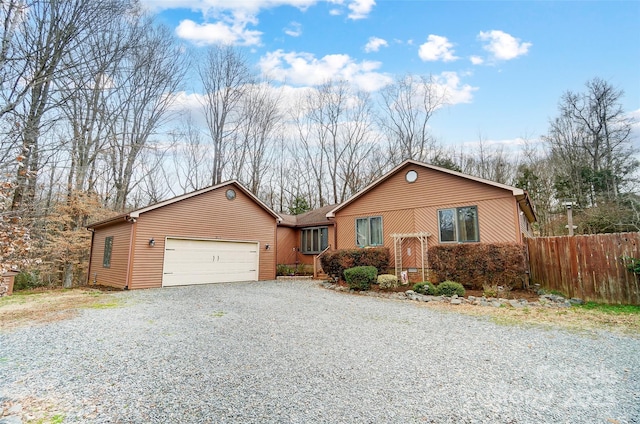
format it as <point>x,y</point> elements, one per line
<point>35,307</point>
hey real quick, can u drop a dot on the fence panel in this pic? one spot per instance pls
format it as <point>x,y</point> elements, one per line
<point>591,267</point>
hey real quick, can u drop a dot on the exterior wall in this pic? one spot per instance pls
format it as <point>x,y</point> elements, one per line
<point>290,239</point>
<point>116,275</point>
<point>411,208</point>
<point>288,242</point>
<point>207,216</point>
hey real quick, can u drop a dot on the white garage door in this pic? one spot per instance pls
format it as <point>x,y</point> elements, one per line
<point>206,261</point>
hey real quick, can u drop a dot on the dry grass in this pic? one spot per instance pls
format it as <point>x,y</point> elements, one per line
<point>31,308</point>
<point>574,318</point>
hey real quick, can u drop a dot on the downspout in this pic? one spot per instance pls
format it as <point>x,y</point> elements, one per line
<point>516,207</point>
<point>93,233</point>
<point>131,255</point>
<point>275,251</point>
<point>335,233</point>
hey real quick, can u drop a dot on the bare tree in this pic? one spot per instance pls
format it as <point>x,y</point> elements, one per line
<point>191,158</point>
<point>89,101</point>
<point>261,120</point>
<point>407,107</point>
<point>48,31</point>
<point>605,133</point>
<point>146,84</point>
<point>224,74</point>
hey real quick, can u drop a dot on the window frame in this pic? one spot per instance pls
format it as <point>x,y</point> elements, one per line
<point>108,250</point>
<point>456,224</point>
<point>369,232</point>
<point>304,239</point>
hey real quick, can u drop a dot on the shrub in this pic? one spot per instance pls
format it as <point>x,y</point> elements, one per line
<point>425,287</point>
<point>387,281</point>
<point>27,280</point>
<point>633,265</point>
<point>361,277</point>
<point>490,290</point>
<point>334,263</point>
<point>478,264</point>
<point>449,288</point>
<point>282,269</point>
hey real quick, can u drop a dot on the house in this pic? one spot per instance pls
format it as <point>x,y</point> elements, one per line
<point>412,207</point>
<point>302,237</point>
<point>224,233</point>
<point>221,233</point>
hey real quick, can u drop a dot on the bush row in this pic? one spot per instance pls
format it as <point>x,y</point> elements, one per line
<point>446,288</point>
<point>479,264</point>
<point>335,263</point>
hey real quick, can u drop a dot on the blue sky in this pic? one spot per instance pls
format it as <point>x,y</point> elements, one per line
<point>505,64</point>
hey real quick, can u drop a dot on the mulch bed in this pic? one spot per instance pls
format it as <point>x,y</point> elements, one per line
<point>530,295</point>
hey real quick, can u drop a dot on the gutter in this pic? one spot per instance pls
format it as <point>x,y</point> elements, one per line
<point>93,233</point>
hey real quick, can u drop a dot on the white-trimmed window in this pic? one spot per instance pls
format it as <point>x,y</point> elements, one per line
<point>106,257</point>
<point>459,225</point>
<point>369,231</point>
<point>315,240</point>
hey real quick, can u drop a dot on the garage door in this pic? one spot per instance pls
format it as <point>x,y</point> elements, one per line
<point>206,261</point>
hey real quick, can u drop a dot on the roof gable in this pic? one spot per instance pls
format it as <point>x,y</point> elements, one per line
<point>518,193</point>
<point>136,213</point>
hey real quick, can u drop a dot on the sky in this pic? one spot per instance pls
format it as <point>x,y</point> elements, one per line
<point>505,63</point>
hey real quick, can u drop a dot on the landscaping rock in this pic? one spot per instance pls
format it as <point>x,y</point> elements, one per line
<point>545,300</point>
<point>11,419</point>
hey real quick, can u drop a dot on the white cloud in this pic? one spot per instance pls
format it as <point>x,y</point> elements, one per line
<point>374,44</point>
<point>228,21</point>
<point>307,70</point>
<point>503,46</point>
<point>217,33</point>
<point>211,6</point>
<point>360,9</point>
<point>476,60</point>
<point>449,86</point>
<point>436,48</point>
<point>294,29</point>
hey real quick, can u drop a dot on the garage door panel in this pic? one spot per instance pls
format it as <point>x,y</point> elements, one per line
<point>209,261</point>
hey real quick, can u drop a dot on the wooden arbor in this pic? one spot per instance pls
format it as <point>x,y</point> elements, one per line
<point>397,250</point>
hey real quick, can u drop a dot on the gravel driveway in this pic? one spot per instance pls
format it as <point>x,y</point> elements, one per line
<point>294,352</point>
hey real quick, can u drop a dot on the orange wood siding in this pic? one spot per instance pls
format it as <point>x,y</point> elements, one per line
<point>116,274</point>
<point>207,216</point>
<point>290,239</point>
<point>411,208</point>
<point>288,242</point>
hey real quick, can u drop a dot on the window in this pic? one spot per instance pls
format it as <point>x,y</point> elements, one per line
<point>315,240</point>
<point>459,225</point>
<point>369,231</point>
<point>106,258</point>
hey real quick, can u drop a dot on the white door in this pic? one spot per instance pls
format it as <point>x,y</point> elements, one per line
<point>207,261</point>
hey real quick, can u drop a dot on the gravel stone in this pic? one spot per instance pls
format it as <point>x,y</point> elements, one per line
<point>292,352</point>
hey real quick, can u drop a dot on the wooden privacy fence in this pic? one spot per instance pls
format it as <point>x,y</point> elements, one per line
<point>591,267</point>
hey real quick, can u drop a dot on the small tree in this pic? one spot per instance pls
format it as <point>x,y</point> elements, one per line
<point>299,206</point>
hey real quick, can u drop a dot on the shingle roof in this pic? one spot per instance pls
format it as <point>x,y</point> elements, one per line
<point>308,219</point>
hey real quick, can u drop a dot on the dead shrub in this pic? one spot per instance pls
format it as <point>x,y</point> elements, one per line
<point>480,264</point>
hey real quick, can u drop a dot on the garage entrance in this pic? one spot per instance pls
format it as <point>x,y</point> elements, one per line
<point>191,261</point>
